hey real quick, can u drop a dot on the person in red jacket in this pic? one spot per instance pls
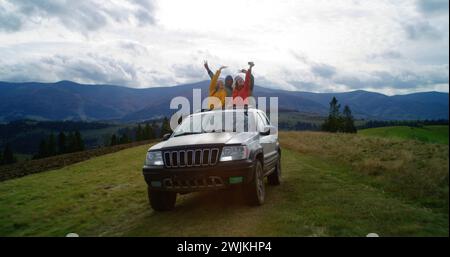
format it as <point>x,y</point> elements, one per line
<point>243,88</point>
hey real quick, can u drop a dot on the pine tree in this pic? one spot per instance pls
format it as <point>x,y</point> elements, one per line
<point>124,139</point>
<point>71,143</point>
<point>62,144</point>
<point>148,132</point>
<point>333,121</point>
<point>79,143</point>
<point>113,140</point>
<point>126,135</point>
<point>43,148</point>
<point>8,155</point>
<point>348,123</point>
<point>151,132</point>
<point>139,133</point>
<point>165,127</point>
<point>51,150</point>
<point>156,130</point>
<point>1,158</point>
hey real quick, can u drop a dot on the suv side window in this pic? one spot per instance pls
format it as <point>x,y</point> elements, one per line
<point>260,121</point>
<point>264,118</point>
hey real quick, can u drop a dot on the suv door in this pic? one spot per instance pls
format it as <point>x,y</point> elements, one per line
<point>268,142</point>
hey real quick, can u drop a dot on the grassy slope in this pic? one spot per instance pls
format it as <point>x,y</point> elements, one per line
<point>319,196</point>
<point>412,170</point>
<point>432,134</point>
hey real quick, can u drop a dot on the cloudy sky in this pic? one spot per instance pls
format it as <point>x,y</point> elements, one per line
<point>392,47</point>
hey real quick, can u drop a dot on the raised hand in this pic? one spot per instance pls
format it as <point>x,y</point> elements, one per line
<point>205,63</point>
<point>223,67</point>
<point>243,71</point>
<point>251,64</point>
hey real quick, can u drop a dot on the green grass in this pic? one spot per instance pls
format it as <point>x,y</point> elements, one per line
<point>411,170</point>
<point>431,134</point>
<point>319,196</point>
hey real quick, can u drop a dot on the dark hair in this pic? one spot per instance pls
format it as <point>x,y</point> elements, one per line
<point>229,79</point>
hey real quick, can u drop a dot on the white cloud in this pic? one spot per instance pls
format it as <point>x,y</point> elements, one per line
<point>83,16</point>
<point>340,45</point>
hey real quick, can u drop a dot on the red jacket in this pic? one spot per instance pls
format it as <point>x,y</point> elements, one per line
<point>245,91</point>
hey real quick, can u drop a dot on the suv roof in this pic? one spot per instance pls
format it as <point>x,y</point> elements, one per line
<point>250,109</point>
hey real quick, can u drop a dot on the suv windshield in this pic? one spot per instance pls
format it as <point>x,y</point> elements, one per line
<point>217,121</point>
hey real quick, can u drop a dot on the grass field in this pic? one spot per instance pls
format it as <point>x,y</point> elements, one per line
<point>432,134</point>
<point>333,185</point>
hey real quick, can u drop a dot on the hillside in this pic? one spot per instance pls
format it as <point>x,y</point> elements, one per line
<point>25,135</point>
<point>431,134</point>
<point>333,185</point>
<point>68,100</point>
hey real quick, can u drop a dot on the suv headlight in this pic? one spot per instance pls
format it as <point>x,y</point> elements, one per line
<point>233,153</point>
<point>154,158</point>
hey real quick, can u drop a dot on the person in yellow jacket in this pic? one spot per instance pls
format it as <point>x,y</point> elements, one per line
<point>217,89</point>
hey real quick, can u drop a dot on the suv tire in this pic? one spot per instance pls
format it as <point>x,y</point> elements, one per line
<point>255,190</point>
<point>161,201</point>
<point>275,178</point>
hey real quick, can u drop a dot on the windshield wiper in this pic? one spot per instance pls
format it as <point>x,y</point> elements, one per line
<point>187,133</point>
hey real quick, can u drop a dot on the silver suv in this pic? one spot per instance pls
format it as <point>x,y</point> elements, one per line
<point>214,150</point>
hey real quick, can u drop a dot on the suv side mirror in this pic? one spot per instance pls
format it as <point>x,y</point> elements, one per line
<point>166,136</point>
<point>266,130</point>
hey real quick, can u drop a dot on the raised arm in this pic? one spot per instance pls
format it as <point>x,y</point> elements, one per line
<point>248,79</point>
<point>210,73</point>
<point>252,81</point>
<point>214,79</point>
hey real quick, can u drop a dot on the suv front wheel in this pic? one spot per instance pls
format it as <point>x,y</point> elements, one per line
<point>255,190</point>
<point>161,201</point>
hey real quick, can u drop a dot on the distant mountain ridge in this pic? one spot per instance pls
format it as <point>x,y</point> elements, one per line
<point>66,100</point>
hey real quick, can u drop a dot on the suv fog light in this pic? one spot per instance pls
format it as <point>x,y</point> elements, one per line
<point>156,183</point>
<point>236,180</point>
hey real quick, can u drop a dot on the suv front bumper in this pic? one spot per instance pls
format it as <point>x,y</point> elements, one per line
<point>191,179</point>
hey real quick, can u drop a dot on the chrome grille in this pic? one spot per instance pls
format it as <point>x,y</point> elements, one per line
<point>191,157</point>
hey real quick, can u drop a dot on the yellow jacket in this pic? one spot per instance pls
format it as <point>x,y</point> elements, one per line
<point>219,93</point>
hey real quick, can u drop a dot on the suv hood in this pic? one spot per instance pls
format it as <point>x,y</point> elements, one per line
<point>206,139</point>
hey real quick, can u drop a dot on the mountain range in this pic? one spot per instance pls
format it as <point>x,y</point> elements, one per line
<point>66,100</point>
